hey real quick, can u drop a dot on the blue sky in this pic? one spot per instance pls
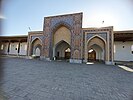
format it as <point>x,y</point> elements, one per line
<point>18,15</point>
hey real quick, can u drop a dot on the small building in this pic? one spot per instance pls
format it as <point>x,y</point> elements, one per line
<point>13,45</point>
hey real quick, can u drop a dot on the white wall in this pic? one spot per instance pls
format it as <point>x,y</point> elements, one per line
<point>123,54</point>
<point>14,48</point>
<point>23,48</point>
<point>5,48</point>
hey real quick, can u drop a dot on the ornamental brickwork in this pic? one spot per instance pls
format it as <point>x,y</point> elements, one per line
<point>73,22</point>
<point>77,38</point>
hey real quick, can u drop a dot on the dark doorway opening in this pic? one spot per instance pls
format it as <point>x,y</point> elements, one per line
<point>91,55</point>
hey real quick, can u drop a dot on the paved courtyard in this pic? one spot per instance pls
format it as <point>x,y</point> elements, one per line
<point>25,79</point>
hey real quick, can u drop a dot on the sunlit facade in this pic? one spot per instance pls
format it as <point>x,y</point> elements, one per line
<point>63,38</point>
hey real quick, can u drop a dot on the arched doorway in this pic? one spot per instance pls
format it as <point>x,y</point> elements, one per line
<point>96,49</point>
<point>62,51</point>
<point>67,53</point>
<point>37,50</point>
<point>91,55</point>
<point>61,43</point>
<point>95,53</point>
<point>36,47</point>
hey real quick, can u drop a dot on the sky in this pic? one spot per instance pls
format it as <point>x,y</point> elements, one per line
<point>18,15</point>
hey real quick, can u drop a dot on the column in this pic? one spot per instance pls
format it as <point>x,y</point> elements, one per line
<point>18,47</point>
<point>8,49</point>
<point>54,58</point>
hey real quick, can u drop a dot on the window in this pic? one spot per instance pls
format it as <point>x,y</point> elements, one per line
<point>132,49</point>
<point>2,47</point>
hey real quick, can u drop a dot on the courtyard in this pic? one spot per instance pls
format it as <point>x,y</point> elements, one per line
<point>25,79</point>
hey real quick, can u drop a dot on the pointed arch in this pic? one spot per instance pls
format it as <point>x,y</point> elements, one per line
<point>60,43</point>
<point>37,38</point>
<point>61,36</point>
<point>95,37</point>
<point>59,50</point>
<point>60,24</point>
<point>98,44</point>
<point>36,47</point>
<point>61,32</point>
<point>37,51</point>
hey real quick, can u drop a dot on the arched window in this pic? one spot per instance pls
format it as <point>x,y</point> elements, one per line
<point>132,49</point>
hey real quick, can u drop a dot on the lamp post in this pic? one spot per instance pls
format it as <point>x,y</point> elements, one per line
<point>29,28</point>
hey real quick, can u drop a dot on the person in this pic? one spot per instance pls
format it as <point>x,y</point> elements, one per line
<point>54,57</point>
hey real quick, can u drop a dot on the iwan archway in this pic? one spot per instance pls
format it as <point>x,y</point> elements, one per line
<point>62,51</point>
<point>61,43</point>
<point>96,53</point>
<point>36,47</point>
<point>96,49</point>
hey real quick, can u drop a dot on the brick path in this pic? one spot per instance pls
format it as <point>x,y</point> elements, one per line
<point>24,79</point>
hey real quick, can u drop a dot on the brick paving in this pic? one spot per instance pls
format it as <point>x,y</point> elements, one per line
<point>25,79</point>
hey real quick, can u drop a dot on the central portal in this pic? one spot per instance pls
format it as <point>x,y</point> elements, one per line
<point>61,43</point>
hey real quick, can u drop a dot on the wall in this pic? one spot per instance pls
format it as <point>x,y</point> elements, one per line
<point>23,48</point>
<point>122,51</point>
<point>13,48</point>
<point>5,48</point>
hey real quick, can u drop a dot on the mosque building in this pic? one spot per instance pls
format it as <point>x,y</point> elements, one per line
<point>63,38</point>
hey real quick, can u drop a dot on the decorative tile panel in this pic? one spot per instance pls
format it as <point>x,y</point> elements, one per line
<point>56,20</point>
<point>37,36</point>
<point>103,35</point>
<point>73,22</point>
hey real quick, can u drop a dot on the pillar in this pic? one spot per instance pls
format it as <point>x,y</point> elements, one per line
<point>8,49</point>
<point>18,47</point>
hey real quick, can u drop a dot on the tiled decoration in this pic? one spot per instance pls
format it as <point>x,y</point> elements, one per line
<point>73,22</point>
<point>78,35</point>
<point>105,33</point>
